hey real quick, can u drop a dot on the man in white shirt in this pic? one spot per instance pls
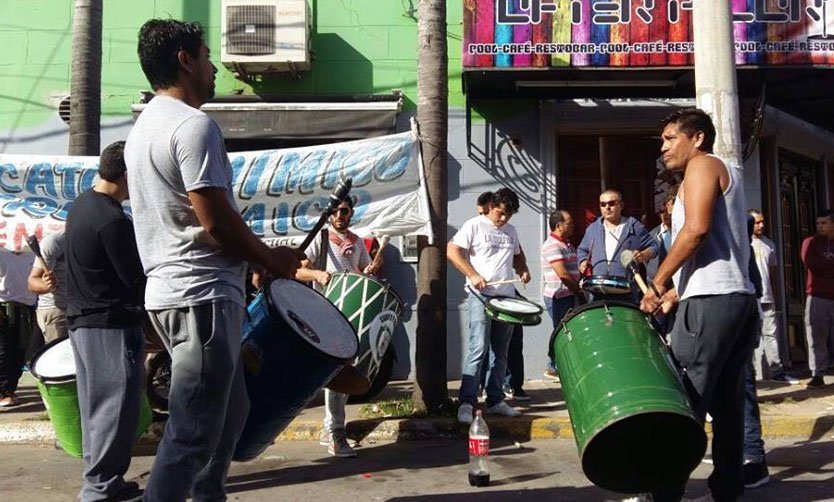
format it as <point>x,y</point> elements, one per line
<point>48,280</point>
<point>767,263</point>
<point>486,249</point>
<point>15,320</point>
<point>345,252</point>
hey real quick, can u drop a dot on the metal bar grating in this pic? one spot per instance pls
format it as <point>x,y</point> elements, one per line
<point>250,29</point>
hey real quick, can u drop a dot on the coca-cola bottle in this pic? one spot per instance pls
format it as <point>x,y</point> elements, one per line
<point>478,452</point>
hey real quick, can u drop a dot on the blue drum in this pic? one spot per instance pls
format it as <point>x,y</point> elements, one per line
<point>294,342</point>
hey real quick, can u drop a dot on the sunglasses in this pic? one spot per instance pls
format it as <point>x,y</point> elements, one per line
<point>610,203</point>
<point>343,211</point>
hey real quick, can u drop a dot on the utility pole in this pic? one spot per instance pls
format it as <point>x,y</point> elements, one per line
<point>716,88</point>
<point>430,390</point>
<point>85,81</point>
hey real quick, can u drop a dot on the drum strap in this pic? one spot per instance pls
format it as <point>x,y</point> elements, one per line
<point>321,261</point>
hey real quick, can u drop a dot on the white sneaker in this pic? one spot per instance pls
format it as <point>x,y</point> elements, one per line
<point>503,409</point>
<point>643,497</point>
<point>465,413</point>
<point>339,446</point>
<point>325,438</point>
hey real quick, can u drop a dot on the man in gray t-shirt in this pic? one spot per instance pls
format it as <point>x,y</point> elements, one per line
<point>48,280</point>
<point>194,246</point>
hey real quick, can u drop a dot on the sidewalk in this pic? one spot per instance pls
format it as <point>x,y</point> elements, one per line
<point>788,411</point>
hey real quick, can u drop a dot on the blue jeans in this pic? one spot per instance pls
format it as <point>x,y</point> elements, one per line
<point>515,359</point>
<point>484,333</point>
<point>557,308</point>
<point>753,444</point>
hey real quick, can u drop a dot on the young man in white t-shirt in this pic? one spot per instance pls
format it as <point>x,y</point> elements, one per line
<point>486,250</point>
<point>345,252</point>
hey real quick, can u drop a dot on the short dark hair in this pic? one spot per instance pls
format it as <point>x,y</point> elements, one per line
<point>753,212</point>
<point>506,197</point>
<point>348,201</point>
<point>691,121</point>
<point>557,217</point>
<point>111,163</point>
<point>826,213</point>
<point>160,41</point>
<point>485,198</point>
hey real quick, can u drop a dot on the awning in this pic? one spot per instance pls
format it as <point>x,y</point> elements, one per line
<point>302,120</point>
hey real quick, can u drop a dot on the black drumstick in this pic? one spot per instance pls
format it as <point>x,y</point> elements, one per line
<point>339,194</point>
<point>32,242</point>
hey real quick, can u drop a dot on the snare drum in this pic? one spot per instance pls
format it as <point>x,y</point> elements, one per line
<point>607,285</point>
<point>374,310</point>
<point>294,342</point>
<point>632,420</point>
<point>54,368</point>
<point>514,310</point>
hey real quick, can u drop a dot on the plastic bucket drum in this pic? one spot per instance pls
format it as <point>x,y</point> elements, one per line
<point>374,310</point>
<point>631,417</point>
<point>54,367</point>
<point>294,342</point>
<point>514,310</point>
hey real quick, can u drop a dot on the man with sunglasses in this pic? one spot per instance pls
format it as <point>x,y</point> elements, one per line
<point>607,237</point>
<point>345,252</point>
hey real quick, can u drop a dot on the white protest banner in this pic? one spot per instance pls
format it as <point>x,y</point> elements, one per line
<point>280,193</point>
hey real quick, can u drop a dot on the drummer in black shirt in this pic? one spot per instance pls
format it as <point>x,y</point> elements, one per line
<point>105,287</point>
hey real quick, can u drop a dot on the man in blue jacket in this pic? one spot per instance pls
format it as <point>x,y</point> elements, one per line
<point>611,234</point>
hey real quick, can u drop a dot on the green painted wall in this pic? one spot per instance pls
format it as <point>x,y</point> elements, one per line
<point>360,47</point>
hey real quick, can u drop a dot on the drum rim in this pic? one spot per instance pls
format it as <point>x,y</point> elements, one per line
<point>622,278</point>
<point>597,304</point>
<point>516,314</point>
<point>33,363</point>
<point>274,311</point>
<point>385,285</point>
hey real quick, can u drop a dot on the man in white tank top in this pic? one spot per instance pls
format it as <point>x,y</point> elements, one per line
<point>705,275</point>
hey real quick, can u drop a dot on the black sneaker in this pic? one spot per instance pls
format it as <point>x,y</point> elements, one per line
<point>816,381</point>
<point>755,474</point>
<point>130,493</point>
<point>785,378</point>
<point>520,395</point>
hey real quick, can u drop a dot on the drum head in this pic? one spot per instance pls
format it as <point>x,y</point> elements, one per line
<point>514,306</point>
<point>314,319</point>
<point>54,362</point>
<point>597,305</point>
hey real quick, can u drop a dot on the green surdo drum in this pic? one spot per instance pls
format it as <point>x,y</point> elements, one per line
<point>374,310</point>
<point>54,368</point>
<point>631,417</point>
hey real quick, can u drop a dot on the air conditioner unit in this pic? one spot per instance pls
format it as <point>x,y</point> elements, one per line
<point>260,36</point>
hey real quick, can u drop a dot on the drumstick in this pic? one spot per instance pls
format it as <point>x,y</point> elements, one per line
<point>339,194</point>
<point>505,281</point>
<point>32,242</point>
<point>383,241</point>
<point>627,261</point>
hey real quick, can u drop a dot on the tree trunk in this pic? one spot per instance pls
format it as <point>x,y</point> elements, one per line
<point>430,391</point>
<point>85,82</point>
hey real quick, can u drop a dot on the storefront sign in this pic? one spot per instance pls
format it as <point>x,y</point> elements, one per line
<point>639,33</point>
<point>280,193</point>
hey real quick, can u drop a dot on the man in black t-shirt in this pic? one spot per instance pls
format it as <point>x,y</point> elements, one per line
<point>105,287</point>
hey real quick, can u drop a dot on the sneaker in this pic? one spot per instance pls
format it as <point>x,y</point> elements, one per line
<point>755,474</point>
<point>702,498</point>
<point>465,413</point>
<point>325,438</point>
<point>551,374</point>
<point>643,497</point>
<point>503,409</point>
<point>339,445</point>
<point>520,395</point>
<point>130,492</point>
<point>815,382</point>
<point>8,400</point>
<point>785,378</point>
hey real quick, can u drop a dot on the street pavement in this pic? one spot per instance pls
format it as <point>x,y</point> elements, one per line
<point>406,471</point>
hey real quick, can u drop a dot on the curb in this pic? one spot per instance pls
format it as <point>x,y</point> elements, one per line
<point>374,430</point>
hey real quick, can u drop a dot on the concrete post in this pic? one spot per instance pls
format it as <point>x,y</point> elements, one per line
<point>716,89</point>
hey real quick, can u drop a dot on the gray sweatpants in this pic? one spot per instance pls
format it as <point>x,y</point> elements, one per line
<point>207,402</point>
<point>109,371</point>
<point>819,324</point>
